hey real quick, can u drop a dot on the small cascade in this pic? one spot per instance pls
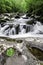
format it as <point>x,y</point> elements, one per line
<point>7,31</point>
<point>38,28</point>
<point>12,31</point>
<point>22,28</point>
<point>4,28</point>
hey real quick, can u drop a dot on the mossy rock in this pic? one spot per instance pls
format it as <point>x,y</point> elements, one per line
<point>36,52</point>
<point>10,52</point>
<point>40,19</point>
<point>31,22</point>
<point>28,14</point>
<point>2,21</point>
<point>41,63</point>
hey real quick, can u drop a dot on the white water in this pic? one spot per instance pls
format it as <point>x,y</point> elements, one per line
<point>22,30</point>
<point>3,28</point>
<point>38,28</point>
<point>7,30</point>
<point>12,31</point>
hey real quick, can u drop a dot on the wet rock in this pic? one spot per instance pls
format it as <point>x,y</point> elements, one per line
<point>36,17</point>
<point>4,19</point>
<point>7,19</point>
<point>2,22</point>
<point>24,58</point>
<point>1,16</point>
<point>19,53</point>
<point>2,59</point>
<point>32,16</point>
<point>15,61</point>
<point>17,16</point>
<point>31,22</point>
<point>12,19</point>
<point>6,14</point>
<point>17,29</point>
<point>24,17</point>
<point>41,19</point>
<point>36,50</point>
<point>28,14</point>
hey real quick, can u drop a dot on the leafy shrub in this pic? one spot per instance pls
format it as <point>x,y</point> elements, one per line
<point>32,6</point>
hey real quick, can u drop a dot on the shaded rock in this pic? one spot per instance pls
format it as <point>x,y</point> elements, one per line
<point>25,17</point>
<point>2,21</point>
<point>17,29</point>
<point>36,50</point>
<point>36,17</point>
<point>28,14</point>
<point>41,19</point>
<point>17,16</point>
<point>32,16</point>
<point>31,22</point>
<point>7,18</point>
<point>1,16</point>
<point>18,59</point>
<point>6,14</point>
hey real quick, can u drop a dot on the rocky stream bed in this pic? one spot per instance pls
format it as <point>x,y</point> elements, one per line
<point>28,51</point>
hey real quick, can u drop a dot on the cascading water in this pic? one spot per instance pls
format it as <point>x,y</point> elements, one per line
<point>7,32</point>
<point>12,31</point>
<point>3,29</point>
<point>38,28</point>
<point>21,27</point>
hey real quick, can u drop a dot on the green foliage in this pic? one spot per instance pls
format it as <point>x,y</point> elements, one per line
<point>35,6</point>
<point>32,6</point>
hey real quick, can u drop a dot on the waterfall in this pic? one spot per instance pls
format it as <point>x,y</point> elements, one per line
<point>22,29</point>
<point>12,31</point>
<point>3,29</point>
<point>19,26</point>
<point>7,31</point>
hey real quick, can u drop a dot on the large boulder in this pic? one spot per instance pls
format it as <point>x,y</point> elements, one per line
<point>35,47</point>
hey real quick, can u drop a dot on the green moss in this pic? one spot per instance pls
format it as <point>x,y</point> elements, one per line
<point>30,22</point>
<point>10,52</point>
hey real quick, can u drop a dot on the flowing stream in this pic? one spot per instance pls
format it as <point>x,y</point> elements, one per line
<point>21,28</point>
